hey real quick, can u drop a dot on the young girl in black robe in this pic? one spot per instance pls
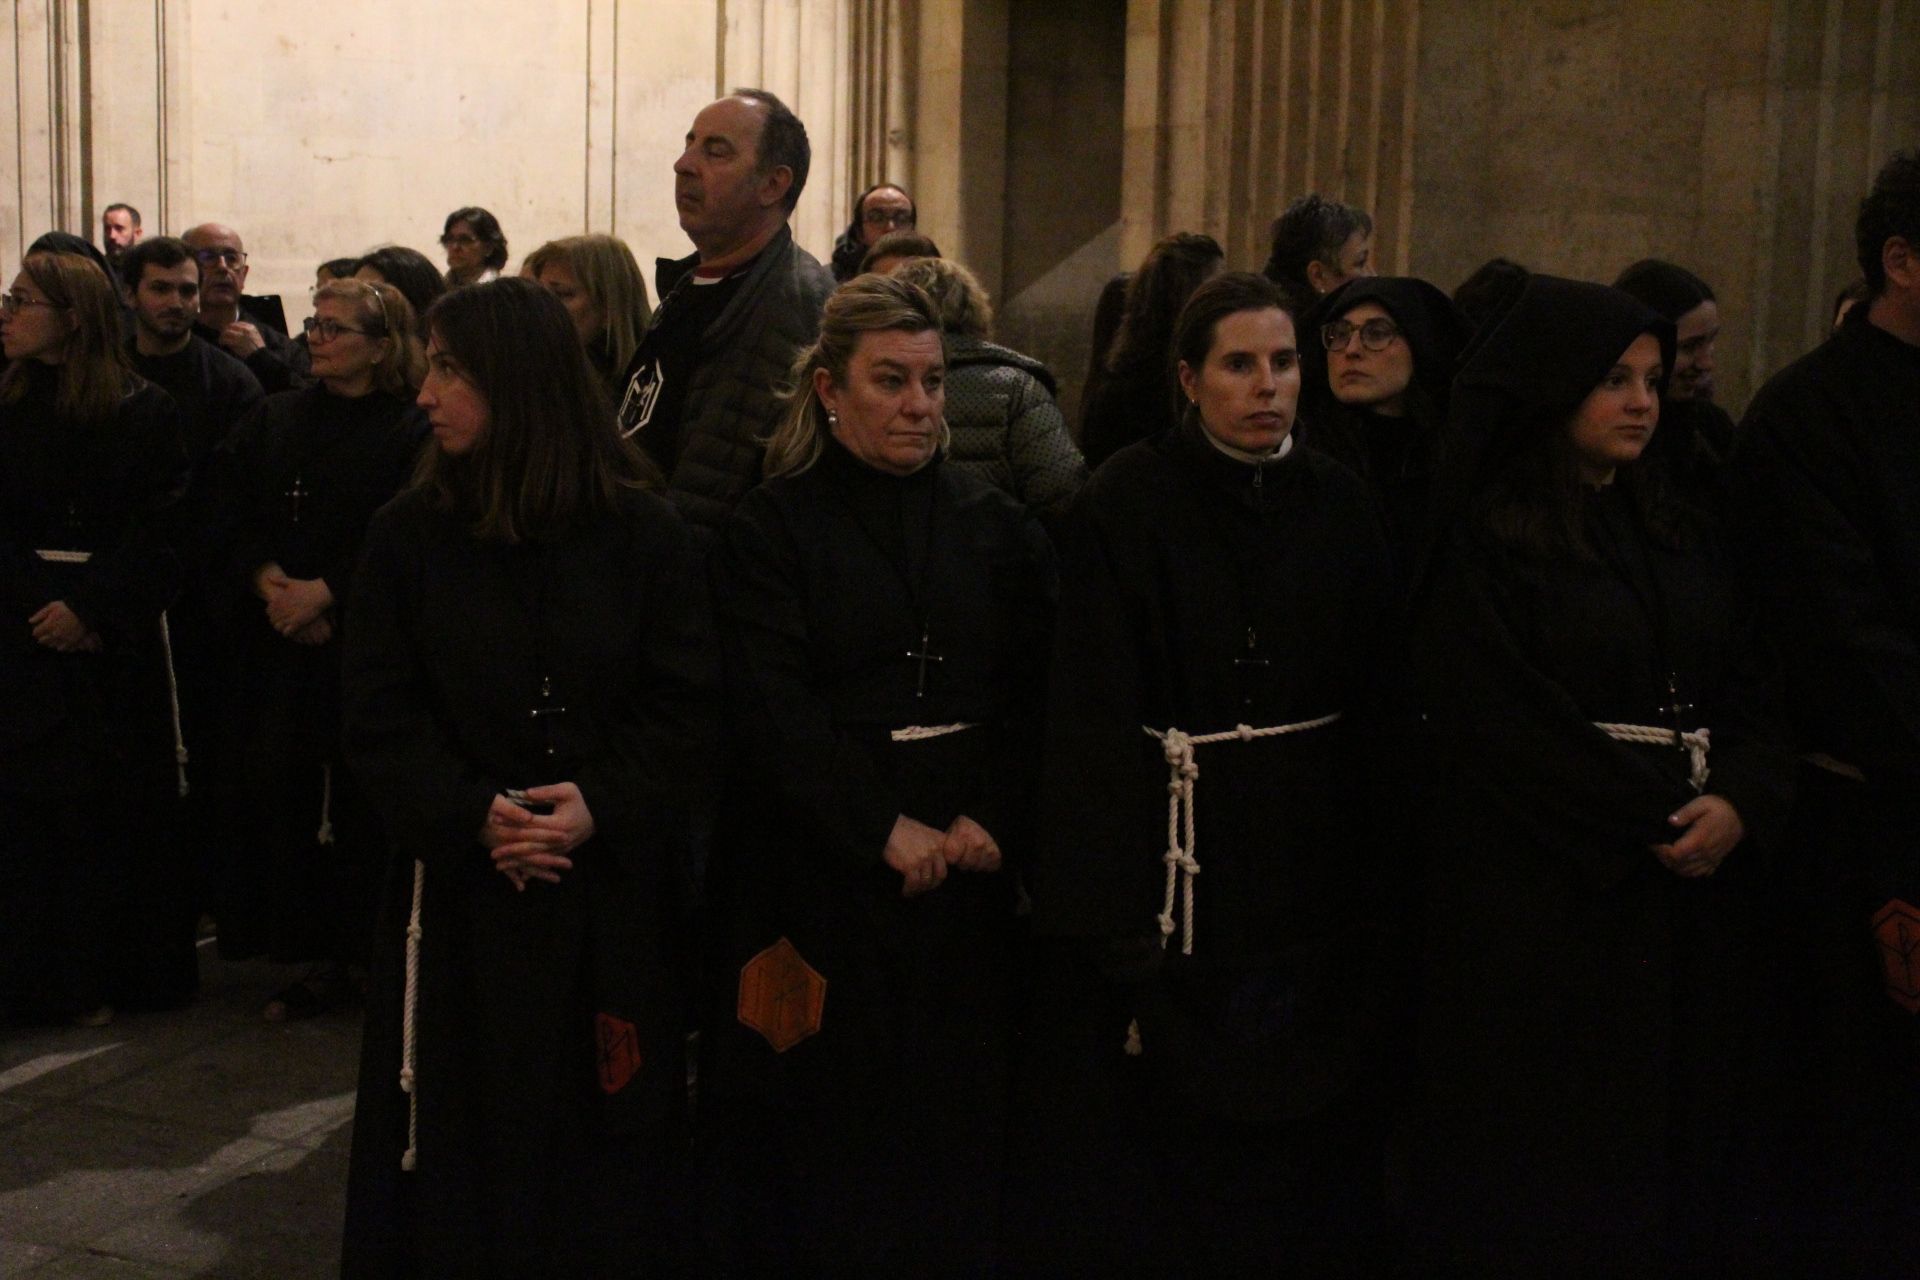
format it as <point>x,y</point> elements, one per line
<point>529,705</point>
<point>1601,775</point>
<point>305,473</point>
<point>91,462</point>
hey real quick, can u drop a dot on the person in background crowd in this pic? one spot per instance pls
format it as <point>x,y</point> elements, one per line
<point>600,285</point>
<point>1489,291</point>
<point>1590,1048</point>
<point>1000,410</point>
<point>251,329</point>
<point>1825,496</point>
<point>1107,310</point>
<point>407,270</point>
<point>701,387</point>
<point>880,210</point>
<point>529,681</point>
<point>476,248</point>
<point>1136,401</point>
<point>306,473</point>
<point>1847,299</point>
<point>91,466</point>
<point>884,619</point>
<point>894,248</point>
<point>1318,245</point>
<point>1696,435</point>
<point>120,230</point>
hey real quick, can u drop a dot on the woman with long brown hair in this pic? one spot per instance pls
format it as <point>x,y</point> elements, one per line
<point>91,461</point>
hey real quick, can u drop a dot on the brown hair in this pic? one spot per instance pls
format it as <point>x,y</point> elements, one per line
<point>605,268</point>
<point>94,369</point>
<point>384,312</point>
<point>957,294</point>
<point>899,244</point>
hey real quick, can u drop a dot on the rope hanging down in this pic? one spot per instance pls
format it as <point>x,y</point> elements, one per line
<point>1695,744</point>
<point>409,1011</point>
<point>1183,772</point>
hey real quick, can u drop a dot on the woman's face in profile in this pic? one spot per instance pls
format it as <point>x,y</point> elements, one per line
<point>888,410</point>
<point>588,320</point>
<point>456,410</point>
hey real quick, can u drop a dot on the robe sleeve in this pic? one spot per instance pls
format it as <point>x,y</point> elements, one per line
<point>1028,589</point>
<point>787,731</point>
<point>126,587</point>
<point>1505,731</point>
<point>1798,486</point>
<point>395,463</point>
<point>238,486</point>
<point>660,733</point>
<point>433,801</point>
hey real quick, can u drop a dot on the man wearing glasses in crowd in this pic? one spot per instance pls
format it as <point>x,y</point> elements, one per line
<point>252,329</point>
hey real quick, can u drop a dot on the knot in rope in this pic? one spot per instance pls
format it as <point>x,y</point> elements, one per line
<point>1696,744</point>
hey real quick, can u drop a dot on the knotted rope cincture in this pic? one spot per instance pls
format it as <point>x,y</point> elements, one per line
<point>325,834</point>
<point>921,732</point>
<point>409,1011</point>
<point>1695,744</point>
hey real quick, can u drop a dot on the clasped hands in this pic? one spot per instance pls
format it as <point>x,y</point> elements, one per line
<point>923,855</point>
<point>296,607</point>
<point>59,628</point>
<point>531,846</point>
<point>1712,828</point>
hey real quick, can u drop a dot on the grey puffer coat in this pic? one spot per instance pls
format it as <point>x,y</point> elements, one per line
<point>1007,428</point>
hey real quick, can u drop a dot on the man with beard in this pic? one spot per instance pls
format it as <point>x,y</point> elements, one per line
<point>251,329</point>
<point>119,230</point>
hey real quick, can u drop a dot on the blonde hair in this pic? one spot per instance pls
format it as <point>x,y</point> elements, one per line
<point>863,305</point>
<point>605,268</point>
<point>957,295</point>
<point>388,317</point>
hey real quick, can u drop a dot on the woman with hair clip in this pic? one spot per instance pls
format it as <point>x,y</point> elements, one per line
<point>529,702</point>
<point>304,474</point>
<point>1201,1041</point>
<point>884,619</point>
<point>600,285</point>
<point>91,460</point>
<point>1601,773</point>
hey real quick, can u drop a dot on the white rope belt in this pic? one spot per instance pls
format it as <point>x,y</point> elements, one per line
<point>325,834</point>
<point>51,556</point>
<point>1695,744</point>
<point>921,732</point>
<point>1183,772</point>
<point>409,1011</point>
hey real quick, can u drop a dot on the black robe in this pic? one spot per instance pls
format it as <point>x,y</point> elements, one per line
<point>1253,1048</point>
<point>1590,1044</point>
<point>551,1075</point>
<point>1824,496</point>
<point>872,1147</point>
<point>281,364</point>
<point>280,890</point>
<point>87,782</point>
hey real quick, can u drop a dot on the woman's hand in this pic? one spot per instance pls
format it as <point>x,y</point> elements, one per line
<point>918,852</point>
<point>319,631</point>
<point>529,846</point>
<point>296,603</point>
<point>60,629</point>
<point>969,846</point>
<point>1713,828</point>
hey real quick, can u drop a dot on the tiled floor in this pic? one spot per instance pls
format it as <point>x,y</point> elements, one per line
<point>199,1143</point>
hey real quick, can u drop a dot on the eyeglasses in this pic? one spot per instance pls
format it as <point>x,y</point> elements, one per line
<point>888,217</point>
<point>228,258</point>
<point>10,303</point>
<point>327,330</point>
<point>464,242</point>
<point>1375,335</point>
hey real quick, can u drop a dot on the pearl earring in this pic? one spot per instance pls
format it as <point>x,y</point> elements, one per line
<point>833,420</point>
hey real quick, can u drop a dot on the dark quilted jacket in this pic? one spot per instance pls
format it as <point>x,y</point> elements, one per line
<point>733,399</point>
<point>1007,428</point>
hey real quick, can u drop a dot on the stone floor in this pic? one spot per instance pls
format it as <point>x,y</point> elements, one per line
<point>204,1142</point>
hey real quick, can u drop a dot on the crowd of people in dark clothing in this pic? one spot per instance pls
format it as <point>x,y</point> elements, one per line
<point>1408,785</point>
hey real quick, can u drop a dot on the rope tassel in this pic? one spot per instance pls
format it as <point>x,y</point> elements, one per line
<point>409,1013</point>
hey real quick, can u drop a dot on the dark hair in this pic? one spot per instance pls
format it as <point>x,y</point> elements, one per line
<point>340,268</point>
<point>161,251</point>
<point>1224,295</point>
<point>1491,288</point>
<point>94,371</point>
<point>486,228</point>
<point>131,212</point>
<point>409,271</point>
<point>1171,271</point>
<point>552,451</point>
<point>860,205</point>
<point>1891,209</point>
<point>1312,229</point>
<point>899,244</point>
<point>1668,288</point>
<point>67,242</point>
<point>783,141</point>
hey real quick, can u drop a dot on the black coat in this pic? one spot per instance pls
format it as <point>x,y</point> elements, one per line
<point>541,1148</point>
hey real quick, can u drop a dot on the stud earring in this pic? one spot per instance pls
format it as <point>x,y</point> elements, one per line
<point>833,420</point>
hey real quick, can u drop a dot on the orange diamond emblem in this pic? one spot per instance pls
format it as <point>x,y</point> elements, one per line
<point>781,996</point>
<point>1896,927</point>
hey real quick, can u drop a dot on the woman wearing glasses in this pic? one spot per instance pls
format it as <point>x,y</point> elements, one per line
<point>476,247</point>
<point>91,461</point>
<point>1374,393</point>
<point>879,209</point>
<point>306,473</point>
